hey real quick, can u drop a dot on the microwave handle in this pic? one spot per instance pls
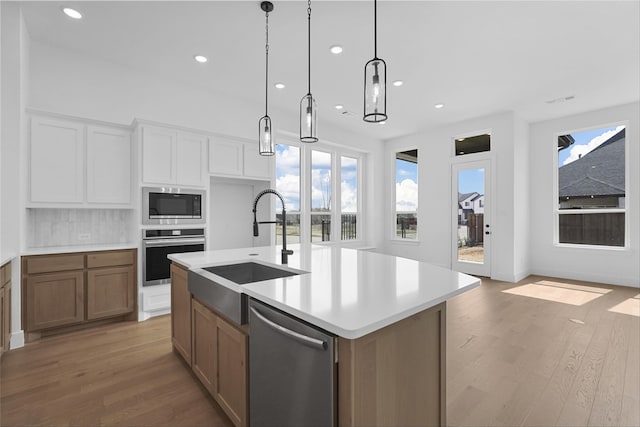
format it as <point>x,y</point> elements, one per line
<point>172,242</point>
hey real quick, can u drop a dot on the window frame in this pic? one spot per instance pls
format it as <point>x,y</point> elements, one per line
<point>336,151</point>
<point>394,212</point>
<point>556,190</point>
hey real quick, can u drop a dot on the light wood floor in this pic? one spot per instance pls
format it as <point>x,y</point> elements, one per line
<point>516,359</point>
<point>513,359</point>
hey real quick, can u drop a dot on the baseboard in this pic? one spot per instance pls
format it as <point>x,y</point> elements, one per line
<point>146,315</point>
<point>630,282</point>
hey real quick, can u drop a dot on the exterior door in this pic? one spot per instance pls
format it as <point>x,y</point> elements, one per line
<point>471,215</point>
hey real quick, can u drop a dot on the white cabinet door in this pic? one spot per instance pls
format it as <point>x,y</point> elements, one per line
<point>108,165</point>
<point>225,157</point>
<point>158,154</point>
<point>255,165</point>
<point>189,159</point>
<point>56,161</point>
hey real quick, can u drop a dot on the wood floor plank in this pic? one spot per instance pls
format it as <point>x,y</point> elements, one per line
<point>122,374</point>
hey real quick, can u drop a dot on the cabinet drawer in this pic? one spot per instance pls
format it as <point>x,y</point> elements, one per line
<point>51,263</point>
<point>110,259</point>
<point>5,274</point>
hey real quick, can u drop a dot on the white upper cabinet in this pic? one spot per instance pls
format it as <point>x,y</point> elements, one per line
<point>108,165</point>
<point>158,155</point>
<point>172,157</point>
<point>190,159</point>
<point>72,163</point>
<point>56,161</point>
<point>231,158</point>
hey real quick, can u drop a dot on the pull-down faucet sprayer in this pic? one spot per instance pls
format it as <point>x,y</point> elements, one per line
<point>285,252</point>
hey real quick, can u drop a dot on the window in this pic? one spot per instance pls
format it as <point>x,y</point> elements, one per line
<point>473,144</point>
<point>349,196</point>
<point>591,187</point>
<point>406,191</point>
<point>288,184</point>
<point>320,196</point>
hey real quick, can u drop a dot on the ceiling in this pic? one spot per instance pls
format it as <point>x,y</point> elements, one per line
<point>475,57</point>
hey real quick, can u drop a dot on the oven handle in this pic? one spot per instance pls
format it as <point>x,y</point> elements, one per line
<point>172,242</point>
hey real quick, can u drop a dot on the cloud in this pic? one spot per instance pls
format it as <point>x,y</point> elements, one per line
<point>577,151</point>
<point>289,187</point>
<point>407,196</point>
<point>287,160</point>
<point>349,197</point>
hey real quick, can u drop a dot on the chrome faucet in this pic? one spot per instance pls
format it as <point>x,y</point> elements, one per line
<point>285,252</point>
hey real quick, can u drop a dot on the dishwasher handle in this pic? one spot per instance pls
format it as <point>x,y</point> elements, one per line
<point>312,342</point>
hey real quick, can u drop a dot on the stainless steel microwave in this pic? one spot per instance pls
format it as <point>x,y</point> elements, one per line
<point>173,206</point>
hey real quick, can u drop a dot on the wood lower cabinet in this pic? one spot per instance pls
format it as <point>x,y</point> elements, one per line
<point>110,292</point>
<point>5,307</point>
<point>65,290</point>
<point>180,312</point>
<point>54,299</point>
<point>231,366</point>
<point>203,333</point>
<point>215,348</point>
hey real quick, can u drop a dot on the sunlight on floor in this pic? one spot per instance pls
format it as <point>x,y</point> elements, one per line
<point>565,293</point>
<point>630,306</point>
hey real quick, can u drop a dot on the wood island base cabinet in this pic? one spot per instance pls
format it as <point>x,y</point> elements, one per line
<point>395,376</point>
<point>63,292</point>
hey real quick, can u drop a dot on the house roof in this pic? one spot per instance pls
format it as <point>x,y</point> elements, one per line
<point>598,173</point>
<point>464,196</point>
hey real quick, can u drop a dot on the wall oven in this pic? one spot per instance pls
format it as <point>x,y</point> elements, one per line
<point>157,244</point>
<point>173,206</point>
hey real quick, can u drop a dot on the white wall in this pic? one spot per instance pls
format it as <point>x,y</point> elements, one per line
<point>615,266</point>
<point>435,157</point>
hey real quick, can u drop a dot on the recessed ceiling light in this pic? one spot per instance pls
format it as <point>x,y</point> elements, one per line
<point>382,122</point>
<point>279,85</point>
<point>72,13</point>
<point>336,49</point>
<point>339,107</point>
<point>398,83</point>
<point>201,59</point>
<point>438,106</point>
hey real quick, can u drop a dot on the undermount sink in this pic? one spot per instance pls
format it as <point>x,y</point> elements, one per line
<point>249,272</point>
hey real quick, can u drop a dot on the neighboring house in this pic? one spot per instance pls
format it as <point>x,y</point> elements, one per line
<point>595,180</point>
<point>469,203</point>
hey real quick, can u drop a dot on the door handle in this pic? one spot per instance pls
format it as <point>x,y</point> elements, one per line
<point>312,342</point>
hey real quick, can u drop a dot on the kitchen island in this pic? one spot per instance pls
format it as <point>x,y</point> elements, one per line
<point>388,314</point>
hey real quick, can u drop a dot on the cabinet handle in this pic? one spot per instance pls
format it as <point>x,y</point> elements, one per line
<point>312,342</point>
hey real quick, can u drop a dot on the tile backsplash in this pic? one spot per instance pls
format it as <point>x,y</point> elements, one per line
<point>69,227</point>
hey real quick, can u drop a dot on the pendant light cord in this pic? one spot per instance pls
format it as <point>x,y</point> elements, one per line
<point>375,28</point>
<point>266,51</point>
<point>309,43</point>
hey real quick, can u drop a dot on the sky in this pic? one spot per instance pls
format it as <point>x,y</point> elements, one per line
<point>288,179</point>
<point>470,181</point>
<point>406,186</point>
<point>585,142</point>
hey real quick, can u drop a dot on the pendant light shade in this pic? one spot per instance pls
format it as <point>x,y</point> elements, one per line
<point>266,143</point>
<point>308,118</point>
<point>267,146</point>
<point>375,80</point>
<point>375,90</point>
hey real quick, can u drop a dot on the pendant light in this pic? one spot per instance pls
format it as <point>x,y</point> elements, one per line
<point>375,80</point>
<point>265,129</point>
<point>308,118</point>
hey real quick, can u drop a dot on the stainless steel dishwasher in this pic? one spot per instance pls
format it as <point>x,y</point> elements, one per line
<point>292,371</point>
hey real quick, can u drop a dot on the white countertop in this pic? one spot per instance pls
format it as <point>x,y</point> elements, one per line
<point>78,248</point>
<point>348,292</point>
